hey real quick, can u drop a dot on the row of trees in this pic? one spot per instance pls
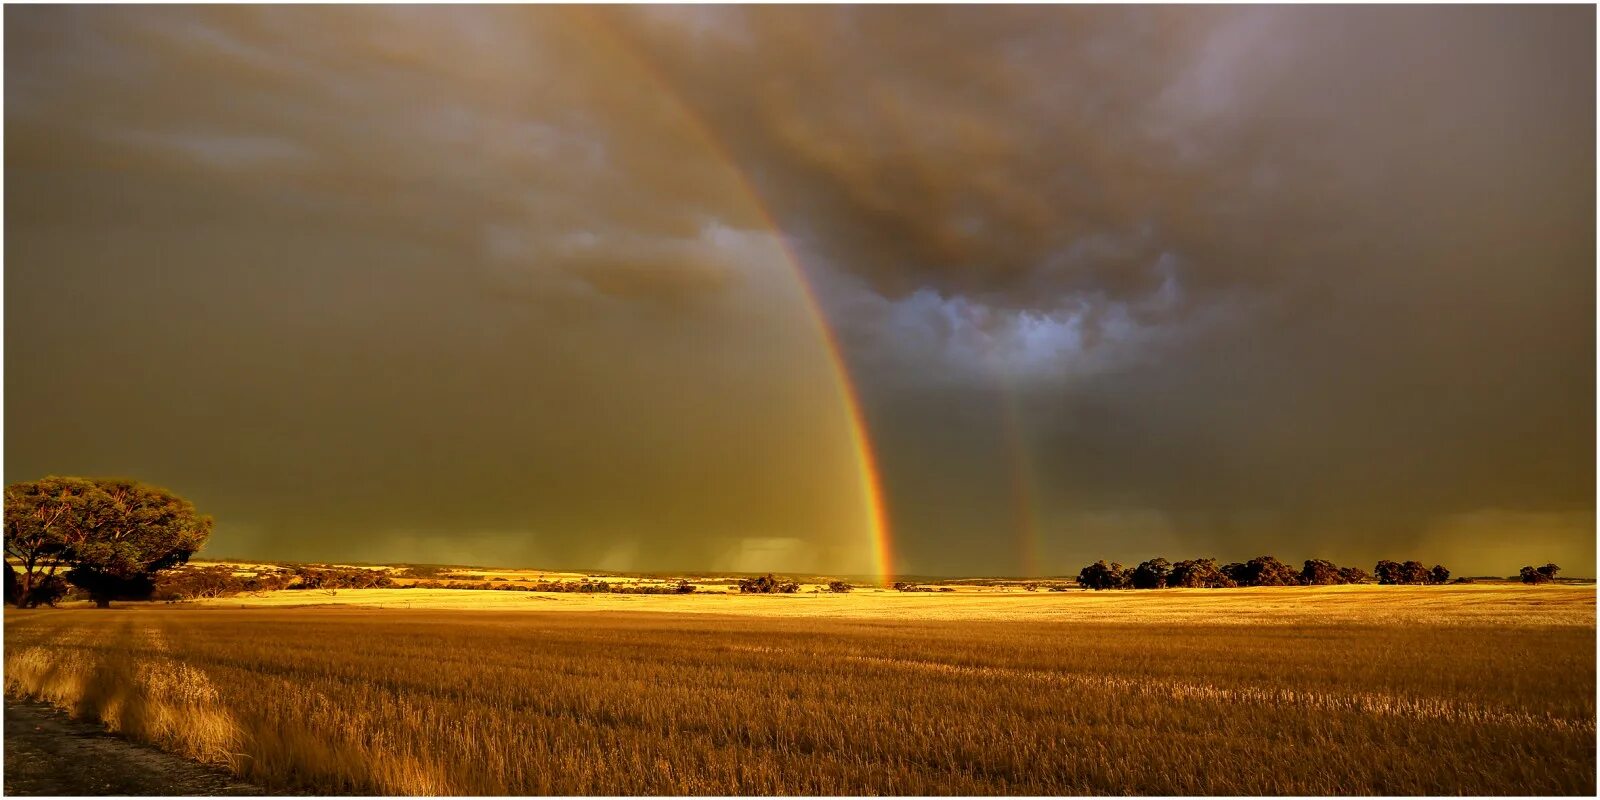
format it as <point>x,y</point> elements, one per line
<point>107,536</point>
<point>768,584</point>
<point>194,583</point>
<point>904,586</point>
<point>587,586</point>
<point>1205,573</point>
<point>1409,572</point>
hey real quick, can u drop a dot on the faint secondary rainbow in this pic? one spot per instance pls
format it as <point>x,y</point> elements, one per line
<point>1023,484</point>
<point>870,483</point>
<point>1020,467</point>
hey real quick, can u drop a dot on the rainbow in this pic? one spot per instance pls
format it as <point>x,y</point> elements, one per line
<point>870,482</point>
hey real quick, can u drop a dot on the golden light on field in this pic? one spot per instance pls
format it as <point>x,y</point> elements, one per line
<point>1368,690</point>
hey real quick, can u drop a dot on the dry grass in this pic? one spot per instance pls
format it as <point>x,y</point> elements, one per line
<point>429,702</point>
<point>151,697</point>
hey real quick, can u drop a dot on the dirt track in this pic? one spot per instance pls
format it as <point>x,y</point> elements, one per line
<point>47,753</point>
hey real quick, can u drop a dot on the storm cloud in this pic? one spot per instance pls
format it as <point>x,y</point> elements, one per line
<point>513,285</point>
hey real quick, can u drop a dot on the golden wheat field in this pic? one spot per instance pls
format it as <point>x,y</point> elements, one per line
<point>1491,693</point>
<point>1468,604</point>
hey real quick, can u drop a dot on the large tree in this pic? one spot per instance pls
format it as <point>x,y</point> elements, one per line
<point>1544,574</point>
<point>1263,571</point>
<point>1101,575</point>
<point>114,533</point>
<point>1388,572</point>
<point>1414,572</point>
<point>1199,573</point>
<point>1353,575</point>
<point>1152,574</point>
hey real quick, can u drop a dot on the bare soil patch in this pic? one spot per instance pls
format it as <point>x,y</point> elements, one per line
<point>48,753</point>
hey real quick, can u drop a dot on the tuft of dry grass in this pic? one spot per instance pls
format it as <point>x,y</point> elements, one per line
<point>438,702</point>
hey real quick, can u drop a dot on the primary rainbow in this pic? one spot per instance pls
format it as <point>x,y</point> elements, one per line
<point>871,487</point>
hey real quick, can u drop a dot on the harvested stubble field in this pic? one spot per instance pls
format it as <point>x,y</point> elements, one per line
<point>1496,696</point>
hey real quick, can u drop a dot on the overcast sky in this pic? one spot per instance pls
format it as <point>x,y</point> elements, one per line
<point>513,286</point>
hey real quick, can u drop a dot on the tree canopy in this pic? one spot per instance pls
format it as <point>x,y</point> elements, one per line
<point>1544,574</point>
<point>114,534</point>
<point>1101,575</point>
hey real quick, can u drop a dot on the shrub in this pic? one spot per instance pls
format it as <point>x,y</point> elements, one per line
<point>839,587</point>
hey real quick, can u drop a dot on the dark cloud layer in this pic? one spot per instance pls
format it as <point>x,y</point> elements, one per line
<point>403,283</point>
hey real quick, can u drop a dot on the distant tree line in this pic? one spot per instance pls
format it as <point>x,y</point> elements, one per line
<point>1205,573</point>
<point>196,583</point>
<point>1409,572</point>
<point>583,586</point>
<point>586,586</point>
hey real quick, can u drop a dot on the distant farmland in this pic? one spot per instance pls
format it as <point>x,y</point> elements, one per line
<point>1493,692</point>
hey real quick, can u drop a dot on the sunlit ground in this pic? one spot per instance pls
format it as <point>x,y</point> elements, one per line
<point>1476,689</point>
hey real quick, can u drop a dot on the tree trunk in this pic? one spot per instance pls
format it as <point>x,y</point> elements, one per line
<point>102,602</point>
